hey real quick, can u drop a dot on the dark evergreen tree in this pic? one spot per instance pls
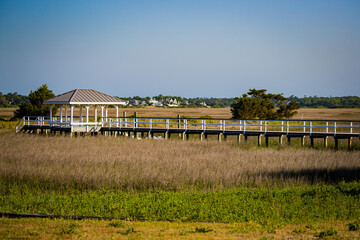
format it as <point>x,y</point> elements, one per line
<point>257,104</point>
<point>35,106</point>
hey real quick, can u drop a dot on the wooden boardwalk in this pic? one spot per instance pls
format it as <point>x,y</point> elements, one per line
<point>183,128</point>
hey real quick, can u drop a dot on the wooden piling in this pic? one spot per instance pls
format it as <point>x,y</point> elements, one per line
<point>239,138</point>
<point>201,136</point>
<point>336,143</point>
<point>302,141</point>
<point>259,139</point>
<point>312,142</point>
<point>267,141</point>
<point>220,137</point>
<point>325,142</point>
<point>349,143</point>
<point>183,136</point>
<point>281,140</point>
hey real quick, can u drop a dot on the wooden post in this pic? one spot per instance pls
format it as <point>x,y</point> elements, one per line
<point>289,140</point>
<point>336,143</point>
<point>349,143</point>
<point>183,136</point>
<point>325,142</point>
<point>201,136</point>
<point>267,141</point>
<point>149,135</point>
<point>239,138</point>
<point>219,137</point>
<point>259,140</point>
<point>312,142</point>
<point>281,140</point>
<point>179,135</point>
<point>302,139</point>
<point>225,137</point>
<point>124,115</point>
<point>136,115</point>
<point>166,135</point>
<point>246,138</point>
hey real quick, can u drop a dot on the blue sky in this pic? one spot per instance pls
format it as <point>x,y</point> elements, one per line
<point>184,48</point>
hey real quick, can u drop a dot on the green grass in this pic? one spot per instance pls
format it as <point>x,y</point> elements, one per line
<point>278,206</point>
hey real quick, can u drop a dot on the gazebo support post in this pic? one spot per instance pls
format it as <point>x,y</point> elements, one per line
<point>117,119</point>
<point>95,114</point>
<point>102,115</point>
<point>87,117</point>
<point>51,106</point>
<point>80,114</point>
<point>61,116</point>
<point>66,118</point>
<point>117,115</point>
<point>71,117</point>
<point>102,118</point>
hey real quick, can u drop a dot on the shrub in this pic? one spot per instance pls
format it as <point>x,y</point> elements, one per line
<point>354,226</point>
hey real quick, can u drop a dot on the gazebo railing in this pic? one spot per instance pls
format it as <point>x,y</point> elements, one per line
<point>54,121</point>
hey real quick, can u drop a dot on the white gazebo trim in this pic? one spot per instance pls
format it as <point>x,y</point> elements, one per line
<point>80,98</point>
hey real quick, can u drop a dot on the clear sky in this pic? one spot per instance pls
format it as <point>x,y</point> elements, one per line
<point>184,48</point>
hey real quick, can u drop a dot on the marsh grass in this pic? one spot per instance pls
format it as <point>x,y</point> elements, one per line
<point>150,165</point>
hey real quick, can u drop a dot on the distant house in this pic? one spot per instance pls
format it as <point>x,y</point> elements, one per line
<point>156,103</point>
<point>134,102</point>
<point>171,102</point>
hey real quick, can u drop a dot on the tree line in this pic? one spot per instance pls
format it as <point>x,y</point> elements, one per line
<point>15,100</point>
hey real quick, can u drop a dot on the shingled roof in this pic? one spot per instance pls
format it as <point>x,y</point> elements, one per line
<point>84,96</point>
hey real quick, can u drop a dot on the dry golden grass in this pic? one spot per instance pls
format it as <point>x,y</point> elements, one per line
<point>132,164</point>
<point>7,113</point>
<point>351,114</point>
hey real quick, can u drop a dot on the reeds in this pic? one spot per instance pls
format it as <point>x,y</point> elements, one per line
<point>130,164</point>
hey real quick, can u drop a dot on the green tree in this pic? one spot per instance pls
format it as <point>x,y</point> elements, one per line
<point>257,104</point>
<point>35,106</point>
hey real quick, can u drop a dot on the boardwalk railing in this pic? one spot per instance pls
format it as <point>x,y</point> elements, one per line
<point>308,127</point>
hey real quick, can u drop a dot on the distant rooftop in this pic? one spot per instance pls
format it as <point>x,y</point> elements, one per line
<point>84,96</point>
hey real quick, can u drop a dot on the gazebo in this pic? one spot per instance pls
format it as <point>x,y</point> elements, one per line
<point>81,98</point>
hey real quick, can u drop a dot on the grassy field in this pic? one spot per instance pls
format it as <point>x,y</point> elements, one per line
<point>90,229</point>
<point>132,165</point>
<point>303,114</point>
<point>265,193</point>
<point>351,114</point>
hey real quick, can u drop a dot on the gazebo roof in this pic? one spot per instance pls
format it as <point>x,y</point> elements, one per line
<point>84,96</point>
